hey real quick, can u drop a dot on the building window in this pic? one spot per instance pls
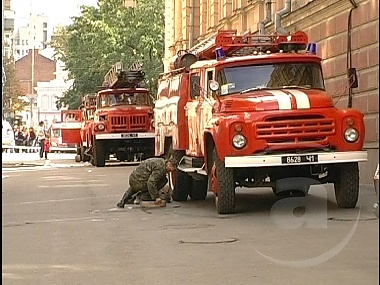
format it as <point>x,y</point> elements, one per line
<point>44,25</point>
<point>23,42</point>
<point>45,102</point>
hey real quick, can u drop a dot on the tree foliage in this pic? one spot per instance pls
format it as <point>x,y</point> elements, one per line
<point>106,34</point>
<point>12,93</point>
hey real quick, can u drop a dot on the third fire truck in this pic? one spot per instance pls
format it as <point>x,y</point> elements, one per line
<point>120,122</point>
<point>252,111</point>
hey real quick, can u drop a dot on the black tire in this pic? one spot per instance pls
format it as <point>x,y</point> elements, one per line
<point>99,155</point>
<point>78,158</point>
<point>198,189</point>
<point>346,185</point>
<point>182,186</point>
<point>130,157</point>
<point>122,156</point>
<point>225,199</point>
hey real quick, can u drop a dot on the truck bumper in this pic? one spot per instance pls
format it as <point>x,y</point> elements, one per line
<point>280,159</point>
<point>124,136</point>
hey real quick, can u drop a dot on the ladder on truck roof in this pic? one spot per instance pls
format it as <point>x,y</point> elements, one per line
<point>236,45</point>
<point>118,77</point>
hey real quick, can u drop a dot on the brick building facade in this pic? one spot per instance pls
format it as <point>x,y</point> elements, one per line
<point>325,21</point>
<point>44,70</point>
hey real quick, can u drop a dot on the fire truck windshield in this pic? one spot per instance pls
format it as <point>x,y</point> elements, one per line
<point>242,79</point>
<point>130,98</point>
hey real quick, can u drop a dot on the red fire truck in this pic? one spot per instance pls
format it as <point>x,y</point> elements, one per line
<point>121,122</point>
<point>66,134</point>
<point>252,111</point>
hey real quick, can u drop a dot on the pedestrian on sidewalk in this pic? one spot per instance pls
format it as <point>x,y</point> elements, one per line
<point>31,138</point>
<point>149,177</point>
<point>47,146</point>
<point>41,135</point>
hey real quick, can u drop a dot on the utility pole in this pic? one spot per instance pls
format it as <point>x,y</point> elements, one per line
<point>2,59</point>
<point>32,91</point>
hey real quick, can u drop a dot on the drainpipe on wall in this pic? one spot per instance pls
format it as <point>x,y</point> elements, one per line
<point>278,16</point>
<point>349,50</point>
<point>191,24</point>
<point>268,16</point>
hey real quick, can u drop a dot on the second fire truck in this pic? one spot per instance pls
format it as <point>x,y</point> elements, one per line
<point>119,122</point>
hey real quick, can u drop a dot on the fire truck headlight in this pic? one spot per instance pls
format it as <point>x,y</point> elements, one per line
<point>101,127</point>
<point>239,141</point>
<point>351,135</point>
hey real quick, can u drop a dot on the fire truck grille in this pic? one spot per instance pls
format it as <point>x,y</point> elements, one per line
<point>128,123</point>
<point>295,130</point>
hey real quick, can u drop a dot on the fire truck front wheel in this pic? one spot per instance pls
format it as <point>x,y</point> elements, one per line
<point>225,197</point>
<point>99,154</point>
<point>346,184</point>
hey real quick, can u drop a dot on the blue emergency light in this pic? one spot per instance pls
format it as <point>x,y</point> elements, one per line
<point>219,53</point>
<point>312,48</point>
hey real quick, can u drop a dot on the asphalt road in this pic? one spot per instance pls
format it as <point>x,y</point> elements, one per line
<point>60,225</point>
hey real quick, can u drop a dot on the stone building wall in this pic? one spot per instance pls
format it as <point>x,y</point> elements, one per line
<point>326,23</point>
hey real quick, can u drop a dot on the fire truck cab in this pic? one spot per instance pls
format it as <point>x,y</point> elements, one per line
<point>252,111</point>
<point>120,122</point>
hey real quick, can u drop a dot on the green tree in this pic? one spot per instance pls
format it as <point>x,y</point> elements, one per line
<point>106,34</point>
<point>12,93</point>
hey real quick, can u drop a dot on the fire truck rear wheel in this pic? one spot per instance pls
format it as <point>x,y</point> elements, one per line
<point>198,189</point>
<point>225,200</point>
<point>182,184</point>
<point>99,154</point>
<point>346,185</point>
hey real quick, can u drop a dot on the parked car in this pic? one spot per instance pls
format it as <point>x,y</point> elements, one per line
<point>8,136</point>
<point>376,182</point>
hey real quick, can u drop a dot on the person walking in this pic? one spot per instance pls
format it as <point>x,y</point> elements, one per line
<point>46,146</point>
<point>41,135</point>
<point>149,177</point>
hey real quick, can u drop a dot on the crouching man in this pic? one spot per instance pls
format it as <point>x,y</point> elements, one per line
<point>149,177</point>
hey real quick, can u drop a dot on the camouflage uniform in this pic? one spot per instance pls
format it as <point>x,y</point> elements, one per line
<point>149,177</point>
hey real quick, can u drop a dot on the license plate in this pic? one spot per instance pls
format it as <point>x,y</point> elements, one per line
<point>129,135</point>
<point>294,159</point>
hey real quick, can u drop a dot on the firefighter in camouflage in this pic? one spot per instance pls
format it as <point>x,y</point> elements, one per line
<point>149,178</point>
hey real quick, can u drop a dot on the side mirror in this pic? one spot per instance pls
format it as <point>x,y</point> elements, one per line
<point>352,78</point>
<point>213,85</point>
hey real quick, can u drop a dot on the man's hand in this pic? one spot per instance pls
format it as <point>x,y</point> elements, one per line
<point>158,201</point>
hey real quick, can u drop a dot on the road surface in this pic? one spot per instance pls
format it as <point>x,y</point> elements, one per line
<point>60,225</point>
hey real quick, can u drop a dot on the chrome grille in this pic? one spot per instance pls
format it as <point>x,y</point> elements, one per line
<point>295,130</point>
<point>128,123</point>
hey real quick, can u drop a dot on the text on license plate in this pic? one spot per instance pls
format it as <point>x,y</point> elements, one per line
<point>291,159</point>
<point>129,135</point>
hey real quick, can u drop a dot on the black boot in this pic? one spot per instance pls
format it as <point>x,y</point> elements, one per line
<point>126,199</point>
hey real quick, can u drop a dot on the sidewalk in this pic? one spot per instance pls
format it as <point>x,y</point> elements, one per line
<point>33,159</point>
